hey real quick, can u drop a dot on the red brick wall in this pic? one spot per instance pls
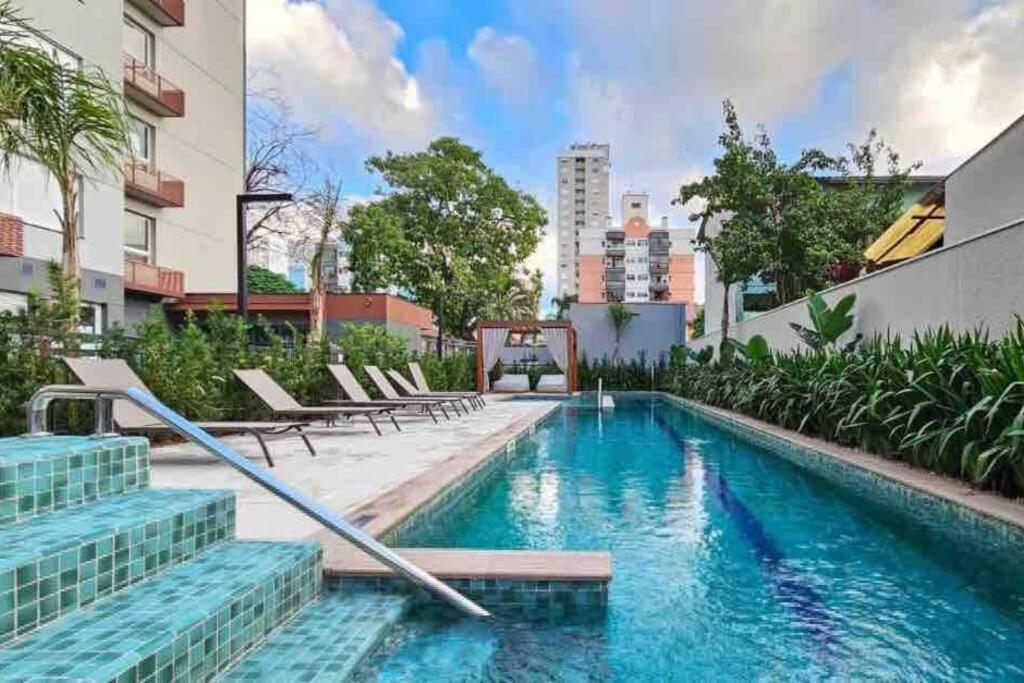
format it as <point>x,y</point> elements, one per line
<point>12,235</point>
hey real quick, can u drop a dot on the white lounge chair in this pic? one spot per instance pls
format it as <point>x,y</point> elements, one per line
<point>512,384</point>
<point>552,384</point>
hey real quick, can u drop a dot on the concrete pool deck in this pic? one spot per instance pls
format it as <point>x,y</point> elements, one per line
<point>353,467</point>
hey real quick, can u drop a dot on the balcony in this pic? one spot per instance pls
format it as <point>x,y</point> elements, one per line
<point>140,276</point>
<point>12,235</point>
<point>149,185</point>
<point>615,249</point>
<point>150,90</point>
<point>659,287</point>
<point>163,12</point>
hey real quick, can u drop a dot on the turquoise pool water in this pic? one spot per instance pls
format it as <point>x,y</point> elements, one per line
<point>730,563</point>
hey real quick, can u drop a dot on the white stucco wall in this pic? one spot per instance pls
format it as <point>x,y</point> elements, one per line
<point>978,282</point>
<point>986,190</point>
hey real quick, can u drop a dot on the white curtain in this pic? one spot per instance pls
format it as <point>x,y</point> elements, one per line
<point>557,339</point>
<point>493,342</point>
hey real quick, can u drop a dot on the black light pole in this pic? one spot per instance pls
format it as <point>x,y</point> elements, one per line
<point>241,201</point>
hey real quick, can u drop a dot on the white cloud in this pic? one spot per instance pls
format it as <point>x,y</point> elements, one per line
<point>937,79</point>
<point>508,63</point>
<point>335,63</point>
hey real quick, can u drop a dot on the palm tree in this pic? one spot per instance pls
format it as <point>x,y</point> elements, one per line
<point>620,318</point>
<point>520,299</point>
<point>70,120</point>
<point>563,304</point>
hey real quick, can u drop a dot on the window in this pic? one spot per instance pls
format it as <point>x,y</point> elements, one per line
<point>635,205</point>
<point>91,320</point>
<point>138,237</point>
<point>138,42</point>
<point>140,134</point>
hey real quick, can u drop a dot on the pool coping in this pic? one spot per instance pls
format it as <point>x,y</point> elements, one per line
<point>988,505</point>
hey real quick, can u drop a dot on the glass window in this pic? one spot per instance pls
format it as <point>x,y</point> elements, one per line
<point>141,135</point>
<point>138,235</point>
<point>138,42</point>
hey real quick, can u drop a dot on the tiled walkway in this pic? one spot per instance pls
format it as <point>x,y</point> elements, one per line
<point>353,465</point>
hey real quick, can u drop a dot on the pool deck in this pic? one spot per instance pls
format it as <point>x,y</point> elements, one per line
<point>354,467</point>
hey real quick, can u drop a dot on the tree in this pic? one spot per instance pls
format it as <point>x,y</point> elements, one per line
<point>863,206</point>
<point>70,120</point>
<point>325,217</point>
<point>448,231</point>
<point>697,326</point>
<point>620,317</point>
<point>519,298</point>
<point>277,159</point>
<point>263,281</point>
<point>562,304</point>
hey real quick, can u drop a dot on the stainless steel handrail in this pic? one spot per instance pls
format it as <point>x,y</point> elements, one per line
<point>105,397</point>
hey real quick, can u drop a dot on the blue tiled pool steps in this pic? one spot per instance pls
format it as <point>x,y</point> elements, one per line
<point>105,579</point>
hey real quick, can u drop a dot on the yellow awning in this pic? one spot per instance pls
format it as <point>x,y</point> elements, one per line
<point>912,234</point>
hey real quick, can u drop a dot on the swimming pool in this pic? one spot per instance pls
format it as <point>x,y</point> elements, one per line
<point>730,563</point>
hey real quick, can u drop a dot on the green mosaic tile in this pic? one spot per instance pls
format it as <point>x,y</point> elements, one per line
<point>60,562</point>
<point>185,624</point>
<point>326,641</point>
<point>42,475</point>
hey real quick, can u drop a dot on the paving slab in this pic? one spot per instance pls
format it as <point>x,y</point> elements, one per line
<point>353,465</point>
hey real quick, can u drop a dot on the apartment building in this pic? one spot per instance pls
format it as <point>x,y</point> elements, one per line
<point>168,225</point>
<point>636,262</point>
<point>582,204</point>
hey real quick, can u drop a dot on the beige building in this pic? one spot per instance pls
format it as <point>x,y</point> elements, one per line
<point>167,226</point>
<point>637,262</point>
<point>582,193</point>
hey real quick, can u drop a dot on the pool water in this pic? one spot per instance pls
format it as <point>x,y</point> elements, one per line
<point>730,563</point>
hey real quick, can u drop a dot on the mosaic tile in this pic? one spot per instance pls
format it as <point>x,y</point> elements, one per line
<point>519,598</point>
<point>42,475</point>
<point>58,563</point>
<point>326,641</point>
<point>185,624</point>
<point>966,525</point>
<point>462,494</point>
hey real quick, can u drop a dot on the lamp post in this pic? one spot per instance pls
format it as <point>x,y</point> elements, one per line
<point>241,202</point>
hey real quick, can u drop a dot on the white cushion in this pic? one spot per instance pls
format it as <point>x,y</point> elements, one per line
<point>512,383</point>
<point>553,383</point>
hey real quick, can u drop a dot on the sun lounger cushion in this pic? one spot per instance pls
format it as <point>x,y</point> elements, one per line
<point>512,384</point>
<point>552,384</point>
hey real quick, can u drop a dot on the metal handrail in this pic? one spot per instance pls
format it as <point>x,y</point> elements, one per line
<point>105,397</point>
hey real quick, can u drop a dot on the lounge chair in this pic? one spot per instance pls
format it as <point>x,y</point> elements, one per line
<point>410,390</point>
<point>131,419</point>
<point>512,384</point>
<point>357,396</point>
<point>283,404</point>
<point>552,384</point>
<point>385,387</point>
<point>421,383</point>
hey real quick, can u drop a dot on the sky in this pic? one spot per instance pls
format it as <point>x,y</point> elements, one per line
<point>522,79</point>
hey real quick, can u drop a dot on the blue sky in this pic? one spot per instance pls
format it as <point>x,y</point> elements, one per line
<point>524,78</point>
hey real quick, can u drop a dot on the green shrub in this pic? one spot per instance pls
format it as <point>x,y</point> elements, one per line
<point>456,372</point>
<point>952,403</point>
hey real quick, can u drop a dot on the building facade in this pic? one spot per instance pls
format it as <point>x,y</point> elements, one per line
<point>582,194</point>
<point>637,263</point>
<point>167,225</point>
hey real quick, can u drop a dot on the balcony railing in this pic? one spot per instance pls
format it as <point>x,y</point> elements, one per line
<point>147,184</point>
<point>140,276</point>
<point>163,12</point>
<point>144,85</point>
